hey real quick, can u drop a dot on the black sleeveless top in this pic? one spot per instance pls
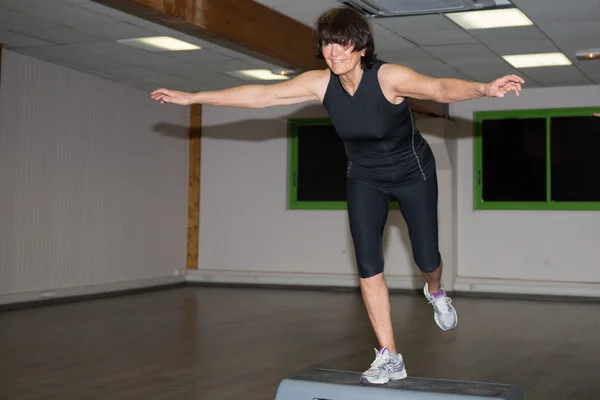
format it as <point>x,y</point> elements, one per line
<point>381,141</point>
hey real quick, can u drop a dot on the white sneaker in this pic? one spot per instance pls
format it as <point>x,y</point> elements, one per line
<point>386,367</point>
<point>444,313</point>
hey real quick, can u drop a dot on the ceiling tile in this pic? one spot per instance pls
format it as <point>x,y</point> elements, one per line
<point>136,72</point>
<point>107,48</point>
<point>594,76</point>
<point>573,44</point>
<point>569,30</point>
<point>405,55</point>
<point>558,76</point>
<point>164,80</point>
<point>438,37</point>
<point>229,65</point>
<point>419,66</point>
<point>228,52</point>
<point>114,30</point>
<point>200,57</point>
<point>444,72</point>
<point>494,72</point>
<point>134,83</point>
<point>29,4</point>
<point>103,74</point>
<point>22,23</point>
<point>257,63</point>
<point>218,79</point>
<point>70,15</point>
<point>147,59</point>
<point>505,47</point>
<point>64,35</point>
<point>51,52</point>
<point>182,68</point>
<point>588,68</point>
<point>546,13</point>
<point>232,54</point>
<point>12,40</point>
<point>385,38</point>
<point>460,52</point>
<point>500,35</point>
<point>107,11</point>
<point>204,44</point>
<point>492,64</point>
<point>159,30</point>
<point>89,60</point>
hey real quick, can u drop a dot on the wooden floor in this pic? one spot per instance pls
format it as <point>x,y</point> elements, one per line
<point>238,343</point>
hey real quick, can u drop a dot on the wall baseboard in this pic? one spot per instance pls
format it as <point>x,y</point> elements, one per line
<point>516,288</point>
<point>506,288</point>
<point>52,296</point>
<point>264,278</point>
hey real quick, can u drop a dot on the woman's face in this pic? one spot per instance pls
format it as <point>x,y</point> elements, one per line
<point>341,59</point>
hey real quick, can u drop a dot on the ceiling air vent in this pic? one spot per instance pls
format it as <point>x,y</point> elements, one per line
<point>397,8</point>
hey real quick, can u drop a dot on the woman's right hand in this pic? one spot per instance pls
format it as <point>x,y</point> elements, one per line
<point>172,96</point>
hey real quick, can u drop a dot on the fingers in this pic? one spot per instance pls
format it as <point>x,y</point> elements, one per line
<point>516,78</point>
<point>158,92</point>
<point>510,87</point>
<point>162,95</point>
<point>510,79</point>
<point>162,98</point>
<point>516,87</point>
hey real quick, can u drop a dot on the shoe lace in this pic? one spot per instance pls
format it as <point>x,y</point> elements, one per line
<point>442,304</point>
<point>380,359</point>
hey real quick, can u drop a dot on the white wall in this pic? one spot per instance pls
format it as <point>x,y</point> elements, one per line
<point>524,251</point>
<point>248,235</point>
<point>92,188</point>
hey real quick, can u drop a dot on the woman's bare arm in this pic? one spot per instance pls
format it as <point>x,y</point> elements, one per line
<point>408,83</point>
<point>307,86</point>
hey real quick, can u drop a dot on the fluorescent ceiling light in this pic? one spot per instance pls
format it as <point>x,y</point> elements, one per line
<point>159,43</point>
<point>258,74</point>
<point>486,19</point>
<point>537,60</point>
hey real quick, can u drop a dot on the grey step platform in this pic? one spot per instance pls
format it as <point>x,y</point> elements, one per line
<point>328,384</point>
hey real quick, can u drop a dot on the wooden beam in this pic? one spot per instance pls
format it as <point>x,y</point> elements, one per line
<point>240,25</point>
<point>247,27</point>
<point>194,150</point>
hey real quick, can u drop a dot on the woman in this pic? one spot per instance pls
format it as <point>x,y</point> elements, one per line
<point>387,157</point>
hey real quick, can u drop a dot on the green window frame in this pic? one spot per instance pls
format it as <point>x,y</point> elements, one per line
<point>293,203</point>
<point>548,204</point>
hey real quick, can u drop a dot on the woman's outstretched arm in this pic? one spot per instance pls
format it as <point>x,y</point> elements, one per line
<point>408,83</point>
<point>307,86</point>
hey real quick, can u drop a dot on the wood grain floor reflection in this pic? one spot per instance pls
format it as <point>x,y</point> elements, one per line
<point>239,343</point>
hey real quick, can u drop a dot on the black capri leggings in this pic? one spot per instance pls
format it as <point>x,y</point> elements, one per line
<point>368,210</point>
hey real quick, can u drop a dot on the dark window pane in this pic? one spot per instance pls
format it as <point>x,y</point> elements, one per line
<point>575,165</point>
<point>514,160</point>
<point>321,164</point>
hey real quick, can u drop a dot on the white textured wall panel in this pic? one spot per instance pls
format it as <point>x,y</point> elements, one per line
<point>92,190</point>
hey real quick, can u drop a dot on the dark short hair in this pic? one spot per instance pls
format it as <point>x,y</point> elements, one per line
<point>346,26</point>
